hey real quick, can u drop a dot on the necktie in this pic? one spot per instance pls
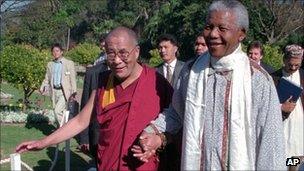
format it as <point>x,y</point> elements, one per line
<point>169,74</point>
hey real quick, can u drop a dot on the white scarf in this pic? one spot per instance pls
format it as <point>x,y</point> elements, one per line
<point>240,113</point>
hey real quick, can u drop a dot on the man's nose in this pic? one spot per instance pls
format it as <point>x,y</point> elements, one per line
<point>162,49</point>
<point>116,59</point>
<point>214,32</point>
<point>293,67</point>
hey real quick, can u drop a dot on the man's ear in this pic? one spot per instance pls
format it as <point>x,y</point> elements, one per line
<point>137,52</point>
<point>242,35</point>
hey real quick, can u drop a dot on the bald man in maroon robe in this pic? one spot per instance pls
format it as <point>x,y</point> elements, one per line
<point>128,97</point>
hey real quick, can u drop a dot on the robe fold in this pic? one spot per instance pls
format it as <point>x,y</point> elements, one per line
<point>122,121</point>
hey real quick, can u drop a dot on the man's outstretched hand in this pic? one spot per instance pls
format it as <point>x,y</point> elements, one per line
<point>29,146</point>
<point>149,143</point>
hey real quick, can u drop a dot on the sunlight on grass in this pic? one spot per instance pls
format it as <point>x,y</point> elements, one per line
<point>40,160</point>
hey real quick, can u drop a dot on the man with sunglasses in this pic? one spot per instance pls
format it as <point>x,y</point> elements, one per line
<point>128,97</point>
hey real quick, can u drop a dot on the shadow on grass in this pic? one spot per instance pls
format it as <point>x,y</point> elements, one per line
<point>45,128</point>
<point>76,162</point>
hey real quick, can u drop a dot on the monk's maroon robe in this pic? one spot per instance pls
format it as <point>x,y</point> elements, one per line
<point>122,121</point>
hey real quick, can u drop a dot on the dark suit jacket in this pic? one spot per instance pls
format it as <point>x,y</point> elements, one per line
<point>178,67</point>
<point>268,68</point>
<point>90,135</point>
<point>277,76</point>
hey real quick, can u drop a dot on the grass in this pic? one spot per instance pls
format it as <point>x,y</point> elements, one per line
<point>36,96</point>
<point>18,95</point>
<point>12,135</point>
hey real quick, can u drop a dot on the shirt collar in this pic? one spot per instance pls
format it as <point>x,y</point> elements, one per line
<point>172,64</point>
<point>59,60</point>
<point>286,74</point>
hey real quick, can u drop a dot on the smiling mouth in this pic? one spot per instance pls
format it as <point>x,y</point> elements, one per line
<point>215,44</point>
<point>119,69</point>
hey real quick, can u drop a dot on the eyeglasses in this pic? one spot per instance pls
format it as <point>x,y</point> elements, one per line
<point>122,54</point>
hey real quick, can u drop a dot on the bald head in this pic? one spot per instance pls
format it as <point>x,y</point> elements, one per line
<point>123,32</point>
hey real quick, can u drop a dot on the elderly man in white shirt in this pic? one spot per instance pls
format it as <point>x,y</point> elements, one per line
<point>292,111</point>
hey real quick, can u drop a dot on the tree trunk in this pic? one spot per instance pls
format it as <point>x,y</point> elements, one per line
<point>25,100</point>
<point>26,95</point>
<point>68,42</point>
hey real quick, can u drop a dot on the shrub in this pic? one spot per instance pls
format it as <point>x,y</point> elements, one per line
<point>273,56</point>
<point>155,59</point>
<point>85,53</point>
<point>24,67</point>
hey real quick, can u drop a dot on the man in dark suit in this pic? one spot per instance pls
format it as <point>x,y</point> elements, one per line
<point>168,50</point>
<point>89,137</point>
<point>170,69</point>
<point>255,52</point>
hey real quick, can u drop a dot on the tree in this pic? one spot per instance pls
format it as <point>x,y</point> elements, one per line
<point>45,22</point>
<point>274,20</point>
<point>24,67</point>
<point>85,53</point>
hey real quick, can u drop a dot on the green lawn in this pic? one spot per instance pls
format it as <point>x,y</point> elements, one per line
<point>18,95</point>
<point>11,135</point>
<point>34,98</point>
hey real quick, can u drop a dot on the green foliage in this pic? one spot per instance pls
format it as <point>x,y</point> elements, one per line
<point>84,53</point>
<point>45,22</point>
<point>23,66</point>
<point>273,56</point>
<point>155,59</point>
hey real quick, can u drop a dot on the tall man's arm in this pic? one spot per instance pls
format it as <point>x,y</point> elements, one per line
<point>172,118</point>
<point>271,150</point>
<point>70,129</point>
<point>170,121</point>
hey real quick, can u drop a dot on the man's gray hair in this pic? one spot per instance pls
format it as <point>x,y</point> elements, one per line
<point>239,10</point>
<point>293,51</point>
<point>121,29</point>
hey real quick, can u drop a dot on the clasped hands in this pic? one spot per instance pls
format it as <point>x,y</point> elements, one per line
<point>148,144</point>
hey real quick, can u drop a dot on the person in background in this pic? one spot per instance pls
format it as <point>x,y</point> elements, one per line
<point>88,139</point>
<point>200,45</point>
<point>255,51</point>
<point>168,50</point>
<point>293,111</point>
<point>102,56</point>
<point>227,105</point>
<point>60,80</point>
<point>120,104</point>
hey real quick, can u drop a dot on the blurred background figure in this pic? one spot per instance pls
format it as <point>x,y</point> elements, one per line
<point>200,45</point>
<point>102,56</point>
<point>168,50</point>
<point>255,51</point>
<point>88,139</point>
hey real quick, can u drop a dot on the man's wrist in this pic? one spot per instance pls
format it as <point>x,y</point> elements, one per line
<point>162,137</point>
<point>149,130</point>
